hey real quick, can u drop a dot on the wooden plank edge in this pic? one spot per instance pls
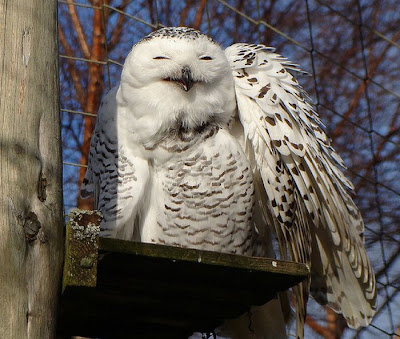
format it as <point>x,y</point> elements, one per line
<point>205,257</point>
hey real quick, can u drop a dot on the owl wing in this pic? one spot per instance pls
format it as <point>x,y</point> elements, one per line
<point>316,220</point>
<point>116,178</point>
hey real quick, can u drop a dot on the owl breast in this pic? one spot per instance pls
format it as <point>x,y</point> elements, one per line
<point>203,196</point>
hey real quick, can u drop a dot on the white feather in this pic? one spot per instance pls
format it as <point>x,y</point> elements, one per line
<point>169,163</point>
<point>268,95</point>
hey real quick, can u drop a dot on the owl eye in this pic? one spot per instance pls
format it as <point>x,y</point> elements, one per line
<point>160,57</point>
<point>205,57</point>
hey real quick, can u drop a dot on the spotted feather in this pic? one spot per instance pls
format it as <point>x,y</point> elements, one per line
<point>316,220</point>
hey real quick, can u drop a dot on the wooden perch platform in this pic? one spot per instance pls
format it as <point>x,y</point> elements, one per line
<point>155,291</point>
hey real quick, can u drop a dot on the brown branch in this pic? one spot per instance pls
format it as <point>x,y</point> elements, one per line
<point>151,11</point>
<point>376,157</point>
<point>167,10</point>
<point>75,74</point>
<point>356,98</point>
<point>389,263</point>
<point>74,133</point>
<point>185,12</point>
<point>317,328</point>
<point>117,32</point>
<point>78,30</point>
<point>95,90</point>
<point>373,65</point>
<point>199,14</point>
<point>239,7</point>
<point>266,16</point>
<point>107,11</point>
<point>336,325</point>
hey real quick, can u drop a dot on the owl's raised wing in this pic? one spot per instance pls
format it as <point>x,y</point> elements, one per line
<point>115,178</point>
<point>316,220</point>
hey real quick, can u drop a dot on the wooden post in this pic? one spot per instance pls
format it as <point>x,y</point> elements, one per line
<point>31,218</point>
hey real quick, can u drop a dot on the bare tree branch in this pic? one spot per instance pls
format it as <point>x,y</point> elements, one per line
<point>95,90</point>
<point>184,13</point>
<point>117,32</point>
<point>74,73</point>
<point>317,328</point>
<point>199,14</point>
<point>78,29</point>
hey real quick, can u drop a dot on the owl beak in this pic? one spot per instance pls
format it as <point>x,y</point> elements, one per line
<point>187,80</point>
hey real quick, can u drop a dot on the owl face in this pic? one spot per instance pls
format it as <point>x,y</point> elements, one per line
<point>174,60</point>
<point>181,77</point>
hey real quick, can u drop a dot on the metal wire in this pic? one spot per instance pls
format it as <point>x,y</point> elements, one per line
<point>77,112</point>
<point>154,26</point>
<point>375,169</point>
<point>362,25</point>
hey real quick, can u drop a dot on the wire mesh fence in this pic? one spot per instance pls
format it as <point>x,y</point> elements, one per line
<point>351,49</point>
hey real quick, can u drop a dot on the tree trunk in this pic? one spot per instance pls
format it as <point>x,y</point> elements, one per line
<point>31,218</point>
<point>95,90</point>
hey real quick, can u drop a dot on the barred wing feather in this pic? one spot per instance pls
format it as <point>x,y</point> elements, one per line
<point>315,217</point>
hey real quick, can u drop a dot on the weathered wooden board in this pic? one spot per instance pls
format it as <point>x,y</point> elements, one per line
<point>31,201</point>
<point>81,248</point>
<point>155,291</point>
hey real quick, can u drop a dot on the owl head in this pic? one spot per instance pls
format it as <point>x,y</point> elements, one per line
<point>180,74</point>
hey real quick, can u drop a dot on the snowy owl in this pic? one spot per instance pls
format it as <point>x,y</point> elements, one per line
<point>211,149</point>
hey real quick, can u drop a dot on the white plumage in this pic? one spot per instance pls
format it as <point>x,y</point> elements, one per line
<point>208,149</point>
